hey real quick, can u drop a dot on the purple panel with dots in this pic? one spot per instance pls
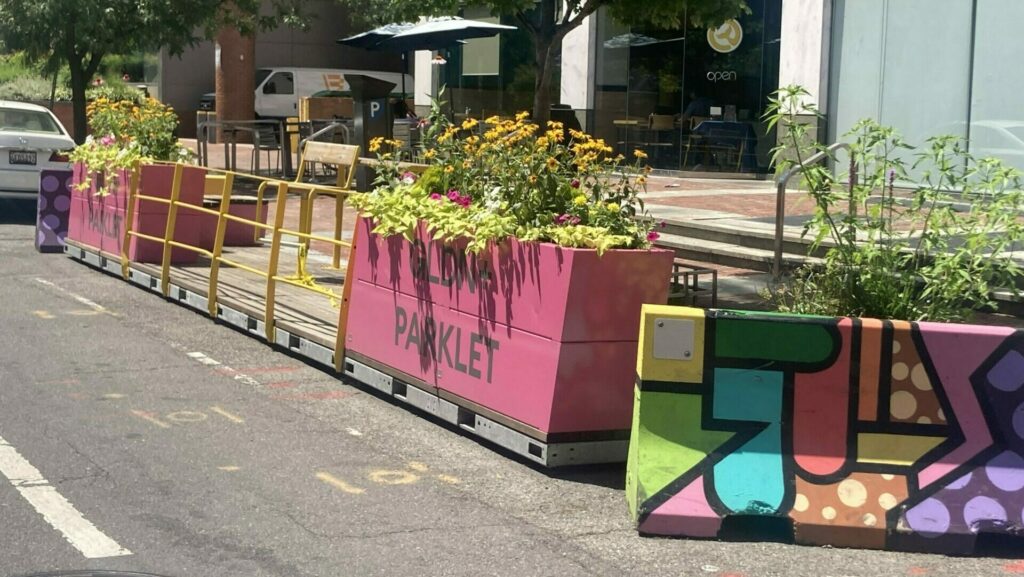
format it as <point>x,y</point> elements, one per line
<point>53,210</point>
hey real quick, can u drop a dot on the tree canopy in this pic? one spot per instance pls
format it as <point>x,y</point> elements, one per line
<point>547,22</point>
<point>82,32</point>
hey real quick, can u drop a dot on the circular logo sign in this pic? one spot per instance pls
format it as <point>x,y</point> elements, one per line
<point>726,37</point>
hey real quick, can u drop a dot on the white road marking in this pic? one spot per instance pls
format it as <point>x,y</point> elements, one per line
<point>93,305</point>
<point>353,432</point>
<point>55,509</point>
<point>202,359</point>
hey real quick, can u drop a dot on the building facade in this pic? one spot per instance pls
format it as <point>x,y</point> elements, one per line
<point>926,67</point>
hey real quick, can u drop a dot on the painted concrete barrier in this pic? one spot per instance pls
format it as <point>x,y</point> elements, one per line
<point>53,210</point>
<point>865,433</point>
<point>542,335</point>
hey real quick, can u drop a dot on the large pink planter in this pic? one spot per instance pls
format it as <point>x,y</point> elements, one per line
<point>98,221</point>
<point>541,334</point>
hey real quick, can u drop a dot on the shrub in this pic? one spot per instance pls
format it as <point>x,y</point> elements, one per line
<point>913,254</point>
<point>513,178</point>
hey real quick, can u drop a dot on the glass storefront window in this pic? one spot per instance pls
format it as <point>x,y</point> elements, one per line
<point>690,98</point>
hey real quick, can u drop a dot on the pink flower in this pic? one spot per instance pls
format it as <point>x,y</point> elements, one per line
<point>453,195</point>
<point>575,183</point>
<point>567,219</point>
<point>436,196</point>
<point>464,201</point>
<point>108,140</point>
<point>653,236</point>
<point>662,224</point>
<point>409,178</point>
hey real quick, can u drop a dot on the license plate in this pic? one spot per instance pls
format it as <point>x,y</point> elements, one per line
<point>22,157</point>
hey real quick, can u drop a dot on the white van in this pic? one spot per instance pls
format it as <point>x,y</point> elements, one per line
<point>279,90</point>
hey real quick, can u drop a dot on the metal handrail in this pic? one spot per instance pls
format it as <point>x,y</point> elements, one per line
<point>780,200</point>
<point>216,254</point>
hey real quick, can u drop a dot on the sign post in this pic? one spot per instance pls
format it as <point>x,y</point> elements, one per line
<point>372,117</point>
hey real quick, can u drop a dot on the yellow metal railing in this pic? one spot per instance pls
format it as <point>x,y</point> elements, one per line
<point>307,194</point>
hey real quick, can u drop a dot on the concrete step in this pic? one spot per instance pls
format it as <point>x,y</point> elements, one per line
<point>727,254</point>
<point>744,233</point>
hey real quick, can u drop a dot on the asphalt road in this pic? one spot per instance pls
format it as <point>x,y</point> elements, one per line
<point>203,452</point>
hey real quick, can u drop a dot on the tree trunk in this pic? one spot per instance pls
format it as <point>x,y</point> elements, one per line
<point>78,86</point>
<point>542,86</point>
<point>235,78</point>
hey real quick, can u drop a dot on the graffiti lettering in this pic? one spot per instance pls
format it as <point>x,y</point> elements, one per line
<point>455,268</point>
<point>105,222</point>
<point>446,343</point>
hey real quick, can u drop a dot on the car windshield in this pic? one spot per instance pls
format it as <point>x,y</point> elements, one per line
<point>261,75</point>
<point>13,119</point>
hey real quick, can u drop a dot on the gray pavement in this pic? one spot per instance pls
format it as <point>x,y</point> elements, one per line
<point>205,453</point>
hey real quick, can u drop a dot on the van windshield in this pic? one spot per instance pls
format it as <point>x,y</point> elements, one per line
<point>261,75</point>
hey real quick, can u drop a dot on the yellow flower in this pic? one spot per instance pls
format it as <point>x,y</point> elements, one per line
<point>533,179</point>
<point>470,123</point>
<point>375,143</point>
<point>522,116</point>
<point>429,154</point>
<point>552,163</point>
<point>449,169</point>
<point>553,125</point>
<point>580,200</point>
<point>612,207</point>
<point>641,180</point>
<point>639,153</point>
<point>494,120</point>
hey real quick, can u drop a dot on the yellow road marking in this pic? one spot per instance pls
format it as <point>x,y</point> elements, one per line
<point>339,484</point>
<point>227,415</point>
<point>84,313</point>
<point>114,396</point>
<point>45,315</point>
<point>417,466</point>
<point>230,468</point>
<point>449,479</point>
<point>394,477</point>
<point>186,417</point>
<point>149,417</point>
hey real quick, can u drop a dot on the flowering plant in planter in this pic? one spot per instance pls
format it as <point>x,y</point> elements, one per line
<point>511,178</point>
<point>125,134</point>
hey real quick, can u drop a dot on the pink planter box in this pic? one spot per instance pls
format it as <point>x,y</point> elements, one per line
<point>541,334</point>
<point>98,221</point>
<point>236,233</point>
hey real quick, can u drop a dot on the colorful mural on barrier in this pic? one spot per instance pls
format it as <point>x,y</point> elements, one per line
<point>53,210</point>
<point>866,433</point>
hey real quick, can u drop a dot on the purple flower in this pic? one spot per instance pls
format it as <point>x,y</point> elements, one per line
<point>575,183</point>
<point>662,224</point>
<point>653,236</point>
<point>567,219</point>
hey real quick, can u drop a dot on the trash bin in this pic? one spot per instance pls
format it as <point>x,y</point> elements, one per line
<point>54,210</point>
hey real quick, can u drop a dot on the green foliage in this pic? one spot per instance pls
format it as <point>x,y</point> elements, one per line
<point>30,88</point>
<point>504,178</point>
<point>81,33</point>
<point>917,253</point>
<point>128,132</point>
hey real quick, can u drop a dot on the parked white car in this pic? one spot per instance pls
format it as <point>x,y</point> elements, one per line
<point>31,140</point>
